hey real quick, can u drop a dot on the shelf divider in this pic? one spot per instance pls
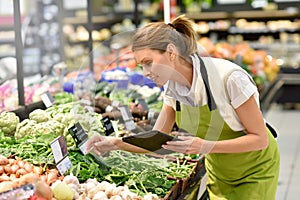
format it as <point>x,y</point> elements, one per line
<point>19,51</point>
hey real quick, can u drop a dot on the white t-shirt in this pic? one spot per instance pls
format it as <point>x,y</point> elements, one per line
<point>239,87</point>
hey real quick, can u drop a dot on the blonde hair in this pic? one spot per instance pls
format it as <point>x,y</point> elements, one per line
<point>158,35</point>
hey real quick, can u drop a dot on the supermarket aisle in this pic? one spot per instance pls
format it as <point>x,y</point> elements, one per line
<point>287,123</point>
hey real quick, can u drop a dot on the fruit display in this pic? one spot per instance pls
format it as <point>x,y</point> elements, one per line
<point>261,66</point>
<point>32,92</point>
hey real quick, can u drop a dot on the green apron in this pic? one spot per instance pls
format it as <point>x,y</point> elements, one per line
<point>232,176</point>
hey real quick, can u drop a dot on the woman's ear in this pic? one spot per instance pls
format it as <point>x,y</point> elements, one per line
<point>171,49</point>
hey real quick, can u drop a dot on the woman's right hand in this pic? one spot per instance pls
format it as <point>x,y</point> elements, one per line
<point>101,144</point>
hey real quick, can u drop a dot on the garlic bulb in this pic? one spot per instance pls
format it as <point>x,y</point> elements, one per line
<point>100,196</point>
<point>71,179</point>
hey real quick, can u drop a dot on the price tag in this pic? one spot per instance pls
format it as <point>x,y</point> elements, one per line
<point>127,117</point>
<point>142,103</point>
<point>115,103</point>
<point>64,165</point>
<point>60,153</point>
<point>130,125</point>
<point>151,114</point>
<point>80,136</point>
<point>47,99</point>
<point>108,126</point>
<point>125,112</point>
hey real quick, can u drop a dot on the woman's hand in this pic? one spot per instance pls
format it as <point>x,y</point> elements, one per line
<point>101,144</point>
<point>188,145</point>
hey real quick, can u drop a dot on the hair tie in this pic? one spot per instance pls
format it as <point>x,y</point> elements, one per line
<point>172,25</point>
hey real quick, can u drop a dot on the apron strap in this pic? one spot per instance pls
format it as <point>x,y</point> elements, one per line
<point>210,99</point>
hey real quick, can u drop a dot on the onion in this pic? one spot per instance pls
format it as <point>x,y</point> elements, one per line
<point>7,169</point>
<point>11,161</point>
<point>37,170</point>
<point>1,170</point>
<point>28,178</point>
<point>21,172</point>
<point>28,167</point>
<point>51,177</point>
<point>3,160</point>
<point>21,163</point>
<point>12,177</point>
<point>14,168</point>
<point>43,190</point>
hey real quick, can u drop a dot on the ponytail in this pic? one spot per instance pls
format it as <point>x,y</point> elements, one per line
<point>158,35</point>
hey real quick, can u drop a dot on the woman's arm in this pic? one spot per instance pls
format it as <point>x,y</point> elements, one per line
<point>165,120</point>
<point>101,144</point>
<point>255,139</point>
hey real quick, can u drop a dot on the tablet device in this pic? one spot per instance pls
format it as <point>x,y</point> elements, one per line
<point>151,140</point>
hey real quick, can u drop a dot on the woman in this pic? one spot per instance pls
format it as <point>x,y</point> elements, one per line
<point>216,101</point>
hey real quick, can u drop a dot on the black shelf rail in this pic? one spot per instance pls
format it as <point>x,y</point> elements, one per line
<point>90,29</point>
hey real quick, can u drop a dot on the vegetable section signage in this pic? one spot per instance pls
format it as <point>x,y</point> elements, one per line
<point>47,99</point>
<point>127,117</point>
<point>109,129</point>
<point>80,137</point>
<point>60,153</point>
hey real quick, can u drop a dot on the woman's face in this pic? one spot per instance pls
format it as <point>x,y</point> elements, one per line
<point>156,65</point>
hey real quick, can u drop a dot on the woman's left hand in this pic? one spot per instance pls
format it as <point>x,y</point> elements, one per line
<point>188,145</point>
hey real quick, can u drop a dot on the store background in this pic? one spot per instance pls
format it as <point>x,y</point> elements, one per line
<point>64,31</point>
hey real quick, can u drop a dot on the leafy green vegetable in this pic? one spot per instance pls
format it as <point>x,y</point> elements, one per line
<point>144,174</point>
<point>63,97</point>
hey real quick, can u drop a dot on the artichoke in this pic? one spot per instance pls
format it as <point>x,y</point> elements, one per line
<point>8,122</point>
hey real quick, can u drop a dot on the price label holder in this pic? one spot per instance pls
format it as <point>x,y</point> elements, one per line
<point>60,153</point>
<point>22,192</point>
<point>151,114</point>
<point>47,99</point>
<point>142,103</point>
<point>115,103</point>
<point>80,137</point>
<point>127,117</point>
<point>108,126</point>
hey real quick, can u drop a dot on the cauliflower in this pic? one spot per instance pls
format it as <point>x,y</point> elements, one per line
<point>32,127</point>
<point>25,128</point>
<point>63,192</point>
<point>51,126</point>
<point>39,115</point>
<point>8,122</point>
